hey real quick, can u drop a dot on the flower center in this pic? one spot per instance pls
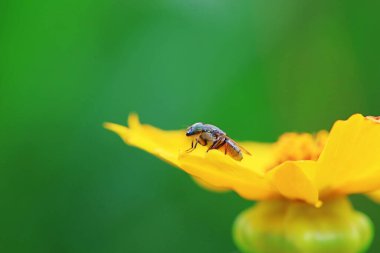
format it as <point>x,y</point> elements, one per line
<point>375,119</point>
<point>298,146</point>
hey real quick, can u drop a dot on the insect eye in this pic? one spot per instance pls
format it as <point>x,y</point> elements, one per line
<point>190,131</point>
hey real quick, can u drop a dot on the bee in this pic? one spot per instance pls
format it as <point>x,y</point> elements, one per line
<point>208,134</point>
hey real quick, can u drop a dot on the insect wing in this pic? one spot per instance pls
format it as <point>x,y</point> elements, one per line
<point>242,148</point>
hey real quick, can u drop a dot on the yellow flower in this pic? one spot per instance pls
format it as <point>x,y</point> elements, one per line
<point>302,167</point>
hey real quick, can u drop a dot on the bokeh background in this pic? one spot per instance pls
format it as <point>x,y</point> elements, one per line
<point>255,68</point>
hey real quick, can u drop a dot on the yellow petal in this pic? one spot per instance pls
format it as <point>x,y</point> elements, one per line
<point>375,196</point>
<point>296,180</point>
<point>262,160</point>
<point>350,160</point>
<point>212,167</point>
<point>163,144</point>
<point>223,172</point>
<point>263,156</point>
<point>208,186</point>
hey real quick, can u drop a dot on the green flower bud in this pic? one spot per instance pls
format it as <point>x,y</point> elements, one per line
<point>293,227</point>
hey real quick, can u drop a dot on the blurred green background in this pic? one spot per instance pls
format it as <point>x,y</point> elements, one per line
<point>254,68</point>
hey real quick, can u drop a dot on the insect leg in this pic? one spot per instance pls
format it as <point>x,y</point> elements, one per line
<point>202,141</point>
<point>220,144</point>
<point>217,144</point>
<point>192,147</point>
<point>212,146</point>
